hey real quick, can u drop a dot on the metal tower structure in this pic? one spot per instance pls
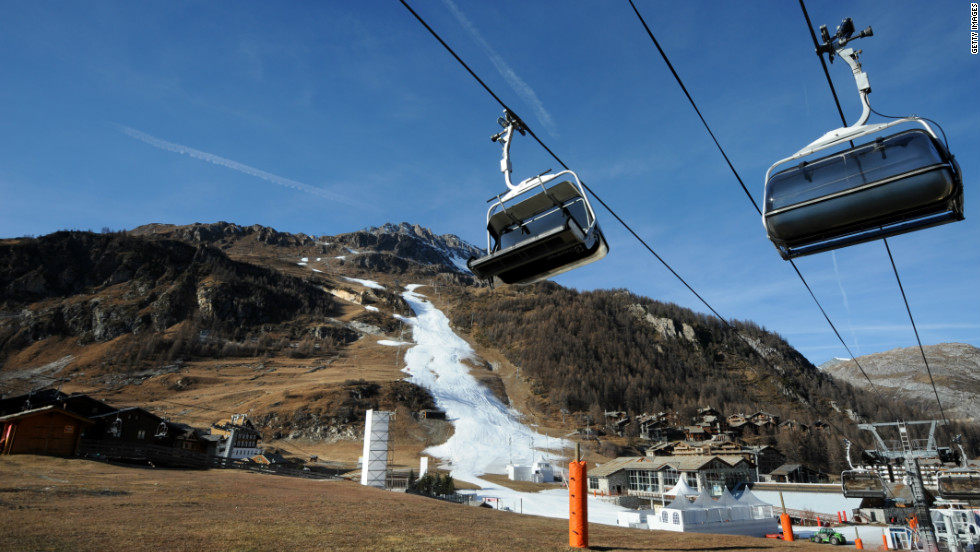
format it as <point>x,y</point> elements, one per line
<point>909,451</point>
<point>377,449</point>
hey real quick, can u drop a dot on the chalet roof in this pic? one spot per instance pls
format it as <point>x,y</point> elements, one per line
<point>16,403</point>
<point>689,463</point>
<point>44,410</point>
<point>733,459</point>
<point>129,410</point>
<point>615,465</point>
<point>787,469</point>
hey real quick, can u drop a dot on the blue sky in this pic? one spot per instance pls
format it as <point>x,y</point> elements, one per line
<point>329,117</point>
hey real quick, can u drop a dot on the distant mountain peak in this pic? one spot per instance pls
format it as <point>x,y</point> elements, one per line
<point>955,369</point>
<point>415,243</point>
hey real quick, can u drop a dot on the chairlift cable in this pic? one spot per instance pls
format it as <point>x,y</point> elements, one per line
<point>696,110</point>
<point>680,82</point>
<point>562,163</point>
<point>891,259</point>
<point>453,53</point>
<point>921,349</point>
<point>823,63</point>
<point>722,319</point>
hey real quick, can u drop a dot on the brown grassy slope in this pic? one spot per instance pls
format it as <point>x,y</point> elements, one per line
<point>77,505</point>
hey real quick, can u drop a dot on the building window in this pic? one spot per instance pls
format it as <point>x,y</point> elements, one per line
<point>664,516</point>
<point>670,477</point>
<point>677,518</point>
<point>141,434</point>
<point>593,483</point>
<point>643,481</point>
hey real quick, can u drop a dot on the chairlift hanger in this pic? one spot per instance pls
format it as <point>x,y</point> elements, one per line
<point>162,430</point>
<point>884,187</point>
<point>115,428</point>
<point>537,228</point>
<point>860,482</point>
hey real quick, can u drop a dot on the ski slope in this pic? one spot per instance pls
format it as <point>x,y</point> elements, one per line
<point>487,434</point>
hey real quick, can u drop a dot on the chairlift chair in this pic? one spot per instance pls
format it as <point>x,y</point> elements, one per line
<point>890,184</point>
<point>115,428</point>
<point>862,484</point>
<point>959,484</point>
<point>539,228</point>
<point>859,482</point>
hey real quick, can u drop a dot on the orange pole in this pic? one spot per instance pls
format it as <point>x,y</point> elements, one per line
<point>578,506</point>
<point>884,540</point>
<point>857,540</point>
<point>787,527</point>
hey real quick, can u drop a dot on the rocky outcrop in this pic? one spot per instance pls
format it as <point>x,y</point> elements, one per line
<point>97,287</point>
<point>666,327</point>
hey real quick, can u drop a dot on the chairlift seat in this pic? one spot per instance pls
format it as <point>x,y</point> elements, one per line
<point>959,484</point>
<point>546,234</point>
<point>862,484</point>
<point>529,208</point>
<point>886,187</point>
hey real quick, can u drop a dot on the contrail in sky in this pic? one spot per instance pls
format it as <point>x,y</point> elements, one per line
<point>840,284</point>
<point>233,165</point>
<point>520,87</point>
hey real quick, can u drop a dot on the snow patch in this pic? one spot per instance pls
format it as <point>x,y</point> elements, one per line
<point>487,434</point>
<point>459,263</point>
<point>371,308</point>
<point>392,343</point>
<point>366,283</point>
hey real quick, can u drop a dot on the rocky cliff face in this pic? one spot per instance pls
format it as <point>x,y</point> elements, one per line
<point>902,373</point>
<point>97,287</point>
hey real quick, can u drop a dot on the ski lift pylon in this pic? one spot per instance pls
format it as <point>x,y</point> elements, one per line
<point>892,183</point>
<point>539,228</point>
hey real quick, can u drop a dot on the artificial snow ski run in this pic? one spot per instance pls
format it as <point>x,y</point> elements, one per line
<point>488,435</point>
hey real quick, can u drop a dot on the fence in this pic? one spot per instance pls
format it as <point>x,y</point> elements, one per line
<point>159,455</point>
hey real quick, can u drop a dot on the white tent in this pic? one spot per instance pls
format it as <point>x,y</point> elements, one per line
<point>760,508</point>
<point>681,488</point>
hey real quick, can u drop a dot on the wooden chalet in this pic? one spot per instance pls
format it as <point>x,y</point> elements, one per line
<point>49,430</point>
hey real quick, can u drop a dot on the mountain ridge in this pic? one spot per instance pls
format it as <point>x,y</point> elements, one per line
<point>901,373</point>
<point>326,361</point>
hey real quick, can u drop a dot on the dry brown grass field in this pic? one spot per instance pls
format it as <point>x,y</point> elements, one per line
<point>80,505</point>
